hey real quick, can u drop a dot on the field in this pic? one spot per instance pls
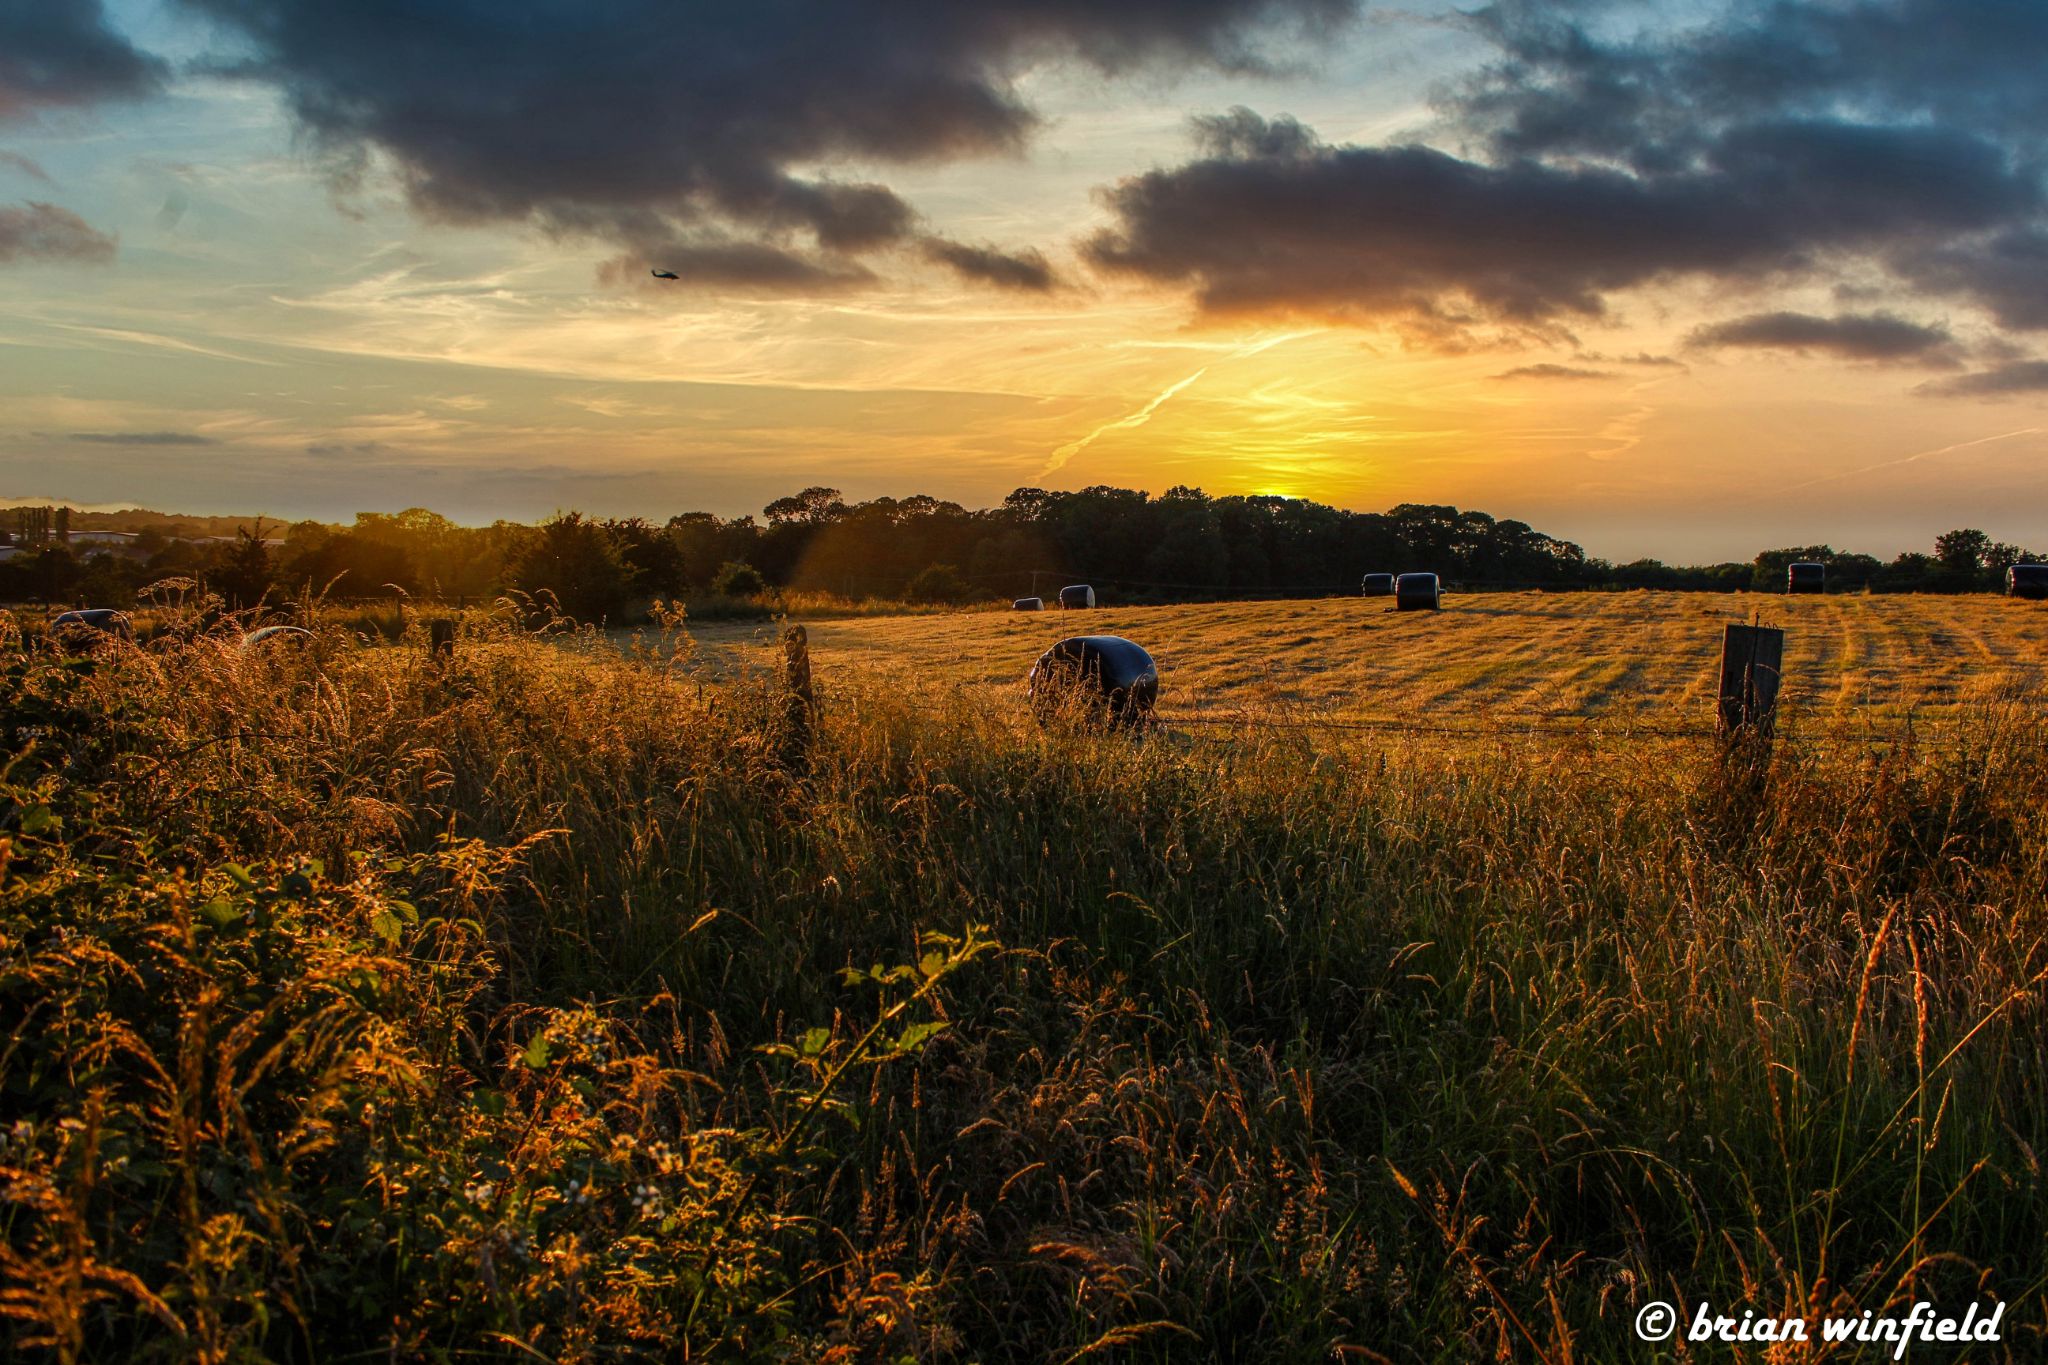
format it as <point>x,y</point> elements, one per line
<point>1636,659</point>
<point>579,999</point>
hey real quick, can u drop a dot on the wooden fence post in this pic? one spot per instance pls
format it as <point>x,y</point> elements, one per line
<point>1752,658</point>
<point>799,702</point>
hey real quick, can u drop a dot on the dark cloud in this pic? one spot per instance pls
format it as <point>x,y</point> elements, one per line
<point>2019,377</point>
<point>341,450</point>
<point>44,232</point>
<point>1852,336</point>
<point>1605,147</point>
<point>652,124</point>
<point>735,264</point>
<point>1552,371</point>
<point>1661,99</point>
<point>141,438</point>
<point>1272,220</point>
<point>61,52</point>
<point>2005,273</point>
<point>1024,270</point>
<point>1575,80</point>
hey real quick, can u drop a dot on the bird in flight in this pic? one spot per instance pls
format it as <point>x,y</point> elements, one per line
<point>663,274</point>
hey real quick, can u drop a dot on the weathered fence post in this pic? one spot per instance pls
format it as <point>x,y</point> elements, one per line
<point>441,638</point>
<point>799,703</point>
<point>1752,658</point>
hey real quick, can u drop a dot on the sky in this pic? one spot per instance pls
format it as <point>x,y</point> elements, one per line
<point>1680,280</point>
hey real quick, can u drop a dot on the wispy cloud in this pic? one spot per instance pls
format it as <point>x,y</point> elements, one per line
<point>161,342</point>
<point>27,167</point>
<point>141,438</point>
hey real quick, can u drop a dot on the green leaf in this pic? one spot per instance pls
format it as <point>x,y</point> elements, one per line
<point>39,820</point>
<point>386,926</point>
<point>931,964</point>
<point>814,1041</point>
<point>917,1035</point>
<point>239,875</point>
<point>219,913</point>
<point>537,1052</point>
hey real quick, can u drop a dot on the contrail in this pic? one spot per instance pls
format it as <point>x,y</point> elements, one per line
<point>1143,415</point>
<point>1136,419</point>
<point>1916,455</point>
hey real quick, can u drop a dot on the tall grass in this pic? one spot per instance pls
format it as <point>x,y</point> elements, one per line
<point>1297,1045</point>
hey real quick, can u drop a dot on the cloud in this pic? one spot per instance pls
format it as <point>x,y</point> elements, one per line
<point>658,126</point>
<point>140,438</point>
<point>1571,82</point>
<point>62,52</point>
<point>2005,273</point>
<point>1024,270</point>
<point>1576,84</point>
<point>27,167</point>
<point>2019,377</point>
<point>44,232</point>
<point>734,264</point>
<point>1550,371</point>
<point>1852,336</point>
<point>1271,220</point>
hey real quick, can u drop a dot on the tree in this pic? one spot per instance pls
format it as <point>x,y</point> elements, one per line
<point>938,584</point>
<point>356,563</point>
<point>579,563</point>
<point>242,575</point>
<point>655,554</point>
<point>813,507</point>
<point>735,579</point>
<point>1962,551</point>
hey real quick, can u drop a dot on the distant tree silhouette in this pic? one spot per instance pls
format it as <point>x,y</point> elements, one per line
<point>580,563</point>
<point>242,574</point>
<point>937,585</point>
<point>736,579</point>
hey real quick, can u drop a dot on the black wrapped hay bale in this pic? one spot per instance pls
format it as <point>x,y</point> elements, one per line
<point>1104,675</point>
<point>2027,580</point>
<point>1077,597</point>
<point>1378,585</point>
<point>1806,576</point>
<point>1028,604</point>
<point>1418,592</point>
<point>80,630</point>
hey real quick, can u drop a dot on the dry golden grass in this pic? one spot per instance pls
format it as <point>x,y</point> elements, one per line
<point>549,1002</point>
<point>1636,658</point>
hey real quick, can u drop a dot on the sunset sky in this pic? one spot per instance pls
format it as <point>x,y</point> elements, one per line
<point>1682,280</point>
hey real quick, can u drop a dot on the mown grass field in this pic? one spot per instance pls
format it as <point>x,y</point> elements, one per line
<point>1641,658</point>
<point>577,1003</point>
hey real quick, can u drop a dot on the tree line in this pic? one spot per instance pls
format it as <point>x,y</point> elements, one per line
<point>1183,545</point>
